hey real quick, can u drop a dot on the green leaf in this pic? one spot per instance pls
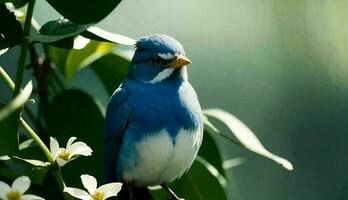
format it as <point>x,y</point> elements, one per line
<point>9,118</point>
<point>58,56</point>
<point>99,34</point>
<point>208,126</point>
<point>111,70</point>
<point>2,51</point>
<point>84,11</point>
<point>31,162</point>
<point>245,136</point>
<point>16,3</point>
<point>17,102</point>
<point>27,144</point>
<point>8,134</point>
<point>57,30</point>
<point>212,170</point>
<point>197,184</point>
<point>10,29</point>
<point>16,166</point>
<point>10,169</point>
<point>210,152</point>
<point>75,113</point>
<point>77,59</point>
<point>233,162</point>
<point>66,43</point>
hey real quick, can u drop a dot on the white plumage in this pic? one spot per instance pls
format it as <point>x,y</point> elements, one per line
<point>160,160</point>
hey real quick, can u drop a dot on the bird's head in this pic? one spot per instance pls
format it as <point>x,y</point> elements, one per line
<point>157,58</point>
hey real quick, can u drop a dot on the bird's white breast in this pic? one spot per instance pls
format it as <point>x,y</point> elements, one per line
<point>160,160</point>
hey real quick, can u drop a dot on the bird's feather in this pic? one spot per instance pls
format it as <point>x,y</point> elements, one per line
<point>116,118</point>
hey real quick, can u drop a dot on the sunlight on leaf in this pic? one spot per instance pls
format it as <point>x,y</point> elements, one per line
<point>10,169</point>
<point>6,157</point>
<point>16,3</point>
<point>77,59</point>
<point>209,151</point>
<point>17,102</point>
<point>209,125</point>
<point>32,162</point>
<point>233,162</point>
<point>80,42</point>
<point>245,136</point>
<point>26,144</point>
<point>2,51</point>
<point>212,170</point>
<point>100,34</point>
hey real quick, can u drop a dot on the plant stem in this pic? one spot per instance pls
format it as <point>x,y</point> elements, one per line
<point>59,178</point>
<point>36,138</point>
<point>7,78</point>
<point>25,125</point>
<point>11,85</point>
<point>24,47</point>
<point>55,170</point>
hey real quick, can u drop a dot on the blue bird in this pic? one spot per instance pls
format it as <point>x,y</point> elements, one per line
<point>153,123</point>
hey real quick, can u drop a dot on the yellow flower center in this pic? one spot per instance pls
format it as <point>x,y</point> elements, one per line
<point>14,195</point>
<point>64,155</point>
<point>97,195</point>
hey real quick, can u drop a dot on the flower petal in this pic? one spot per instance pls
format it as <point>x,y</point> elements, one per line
<point>89,182</point>
<point>31,197</point>
<point>61,162</point>
<point>4,189</point>
<point>78,193</point>
<point>79,148</point>
<point>21,184</point>
<point>110,189</point>
<point>70,141</point>
<point>54,147</point>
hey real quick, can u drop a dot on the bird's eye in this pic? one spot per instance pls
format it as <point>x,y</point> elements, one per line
<point>156,60</point>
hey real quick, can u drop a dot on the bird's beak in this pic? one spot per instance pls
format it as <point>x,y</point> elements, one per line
<point>179,61</point>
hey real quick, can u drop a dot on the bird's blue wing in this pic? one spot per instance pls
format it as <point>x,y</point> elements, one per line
<point>117,115</point>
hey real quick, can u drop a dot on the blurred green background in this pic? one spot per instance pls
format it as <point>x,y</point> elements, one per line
<point>279,66</point>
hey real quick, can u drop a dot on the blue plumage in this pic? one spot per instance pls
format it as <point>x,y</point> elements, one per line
<point>153,125</point>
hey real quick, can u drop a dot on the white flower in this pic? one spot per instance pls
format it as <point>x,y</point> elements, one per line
<point>16,191</point>
<point>94,193</point>
<point>72,150</point>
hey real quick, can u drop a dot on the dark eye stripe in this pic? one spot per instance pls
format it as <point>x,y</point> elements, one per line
<point>156,60</point>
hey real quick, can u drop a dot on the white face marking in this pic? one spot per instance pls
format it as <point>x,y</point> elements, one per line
<point>166,56</point>
<point>162,75</point>
<point>160,161</point>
